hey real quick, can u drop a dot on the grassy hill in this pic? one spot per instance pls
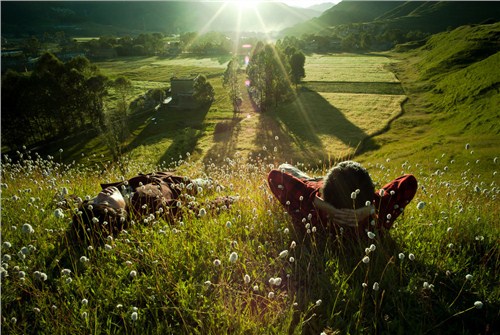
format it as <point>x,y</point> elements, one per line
<point>425,16</point>
<point>452,83</point>
<point>436,271</point>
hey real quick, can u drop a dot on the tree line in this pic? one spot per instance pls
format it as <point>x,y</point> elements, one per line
<point>272,71</point>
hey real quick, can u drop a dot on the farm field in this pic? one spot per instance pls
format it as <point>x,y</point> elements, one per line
<point>340,113</point>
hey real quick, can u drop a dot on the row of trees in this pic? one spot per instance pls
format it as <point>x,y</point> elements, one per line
<point>57,99</point>
<point>272,72</point>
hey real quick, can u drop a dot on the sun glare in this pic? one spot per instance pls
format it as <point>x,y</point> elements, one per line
<point>245,4</point>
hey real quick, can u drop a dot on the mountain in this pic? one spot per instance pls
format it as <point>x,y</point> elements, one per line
<point>88,18</point>
<point>425,16</point>
<point>322,6</point>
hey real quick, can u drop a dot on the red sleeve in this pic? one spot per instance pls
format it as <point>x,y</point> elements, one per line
<point>297,196</point>
<point>393,198</point>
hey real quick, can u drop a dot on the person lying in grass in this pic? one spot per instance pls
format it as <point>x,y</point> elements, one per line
<point>345,198</point>
<point>160,194</point>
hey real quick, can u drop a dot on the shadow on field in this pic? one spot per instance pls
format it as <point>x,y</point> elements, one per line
<point>303,122</point>
<point>225,140</point>
<point>183,127</point>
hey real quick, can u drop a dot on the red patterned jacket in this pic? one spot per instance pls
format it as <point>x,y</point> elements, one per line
<point>298,198</point>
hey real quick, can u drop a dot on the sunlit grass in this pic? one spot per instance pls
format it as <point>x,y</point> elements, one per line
<point>349,68</point>
<point>169,274</point>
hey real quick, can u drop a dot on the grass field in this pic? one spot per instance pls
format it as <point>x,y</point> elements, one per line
<point>436,272</point>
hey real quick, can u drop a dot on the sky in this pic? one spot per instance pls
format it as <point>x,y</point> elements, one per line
<point>296,3</point>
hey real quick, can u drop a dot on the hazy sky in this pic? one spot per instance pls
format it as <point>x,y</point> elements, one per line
<point>296,3</point>
<point>307,3</point>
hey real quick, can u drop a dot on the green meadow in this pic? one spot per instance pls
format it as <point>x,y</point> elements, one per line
<point>435,272</point>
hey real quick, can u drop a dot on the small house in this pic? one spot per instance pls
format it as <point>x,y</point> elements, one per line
<point>182,93</point>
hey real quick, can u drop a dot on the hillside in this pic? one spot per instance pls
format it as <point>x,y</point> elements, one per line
<point>87,18</point>
<point>453,87</point>
<point>424,16</point>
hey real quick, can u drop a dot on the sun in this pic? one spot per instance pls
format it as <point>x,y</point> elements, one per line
<point>245,4</point>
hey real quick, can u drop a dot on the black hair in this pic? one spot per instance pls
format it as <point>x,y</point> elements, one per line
<point>344,179</point>
<point>95,222</point>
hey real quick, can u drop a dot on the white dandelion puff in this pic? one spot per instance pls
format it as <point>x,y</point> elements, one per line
<point>233,257</point>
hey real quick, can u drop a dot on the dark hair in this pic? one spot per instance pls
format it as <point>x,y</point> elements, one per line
<point>344,179</point>
<point>94,222</point>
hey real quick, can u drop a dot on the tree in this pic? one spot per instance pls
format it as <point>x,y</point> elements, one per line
<point>297,61</point>
<point>268,72</point>
<point>230,81</point>
<point>203,91</point>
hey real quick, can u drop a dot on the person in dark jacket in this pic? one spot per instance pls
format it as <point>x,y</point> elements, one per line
<point>161,194</point>
<point>345,198</point>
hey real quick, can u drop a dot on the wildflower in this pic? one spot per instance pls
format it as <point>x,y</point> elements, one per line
<point>381,192</point>
<point>376,286</point>
<point>85,315</point>
<point>293,245</point>
<point>69,280</point>
<point>7,244</point>
<point>58,213</point>
<point>40,275</point>
<point>108,247</point>
<point>202,212</point>
<point>411,257</point>
<point>27,228</point>
<point>217,262</point>
<point>134,316</point>
<point>65,272</point>
<point>246,279</point>
<point>228,224</point>
<point>426,285</point>
<point>370,235</point>
<point>468,277</point>
<point>366,260</point>
<point>318,302</point>
<point>256,288</point>
<point>84,259</point>
<point>270,295</point>
<point>283,254</point>
<point>478,304</point>
<point>421,205</point>
<point>401,256</point>
<point>467,146</point>
<point>353,195</point>
<point>286,230</point>
<point>6,258</point>
<point>133,274</point>
<point>373,247</point>
<point>13,320</point>
<point>84,301</point>
<point>208,283</point>
<point>233,257</point>
<point>449,229</point>
<point>291,259</point>
<point>364,285</point>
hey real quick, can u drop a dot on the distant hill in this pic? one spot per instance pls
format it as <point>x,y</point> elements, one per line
<point>322,7</point>
<point>90,18</point>
<point>426,16</point>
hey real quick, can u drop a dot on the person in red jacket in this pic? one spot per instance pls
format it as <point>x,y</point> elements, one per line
<point>161,194</point>
<point>344,199</point>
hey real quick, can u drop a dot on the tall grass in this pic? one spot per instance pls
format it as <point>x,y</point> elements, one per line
<point>430,274</point>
